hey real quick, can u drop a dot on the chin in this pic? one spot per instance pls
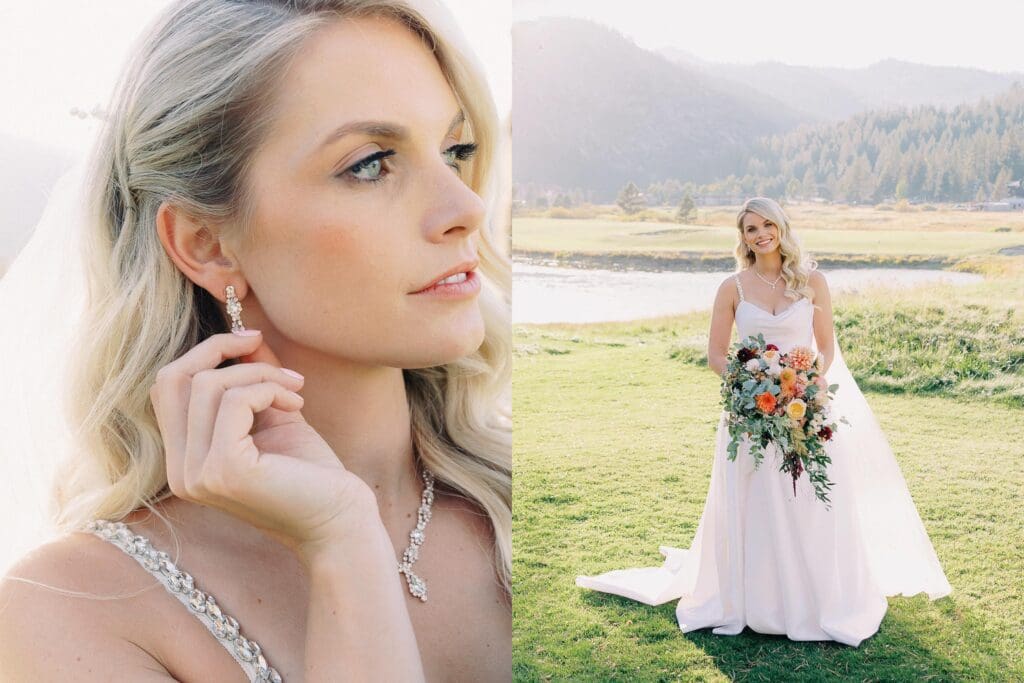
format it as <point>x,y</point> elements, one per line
<point>442,346</point>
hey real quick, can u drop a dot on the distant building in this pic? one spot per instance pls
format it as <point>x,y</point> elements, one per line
<point>996,206</point>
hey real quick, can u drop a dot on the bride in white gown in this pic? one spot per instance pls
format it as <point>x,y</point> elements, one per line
<point>763,557</point>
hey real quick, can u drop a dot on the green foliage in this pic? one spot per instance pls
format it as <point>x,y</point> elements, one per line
<point>687,210</point>
<point>942,347</point>
<point>630,199</point>
<point>926,153</point>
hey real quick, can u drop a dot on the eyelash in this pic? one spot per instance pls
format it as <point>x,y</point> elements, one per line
<point>462,152</point>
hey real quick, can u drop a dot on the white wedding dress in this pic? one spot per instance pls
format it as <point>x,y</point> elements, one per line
<point>785,564</point>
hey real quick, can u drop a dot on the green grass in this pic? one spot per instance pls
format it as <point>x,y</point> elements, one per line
<point>909,241</point>
<point>614,440</point>
<point>950,340</point>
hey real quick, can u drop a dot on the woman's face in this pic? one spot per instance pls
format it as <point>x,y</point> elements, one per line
<point>760,234</point>
<point>360,205</point>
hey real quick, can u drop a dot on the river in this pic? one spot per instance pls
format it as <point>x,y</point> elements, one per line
<point>544,294</point>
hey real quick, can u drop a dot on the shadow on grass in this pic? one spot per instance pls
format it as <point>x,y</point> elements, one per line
<point>917,640</point>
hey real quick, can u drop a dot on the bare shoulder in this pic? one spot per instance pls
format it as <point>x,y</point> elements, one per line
<point>68,611</point>
<point>816,279</point>
<point>727,289</point>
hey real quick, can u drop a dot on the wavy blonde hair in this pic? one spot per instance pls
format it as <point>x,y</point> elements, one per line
<point>796,266</point>
<point>188,113</point>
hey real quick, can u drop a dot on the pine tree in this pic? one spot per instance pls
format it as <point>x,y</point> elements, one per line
<point>630,199</point>
<point>687,210</point>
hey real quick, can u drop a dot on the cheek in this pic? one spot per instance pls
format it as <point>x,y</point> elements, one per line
<point>357,264</point>
<point>331,275</point>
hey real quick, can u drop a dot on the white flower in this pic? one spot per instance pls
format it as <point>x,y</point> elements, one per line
<point>753,365</point>
<point>774,369</point>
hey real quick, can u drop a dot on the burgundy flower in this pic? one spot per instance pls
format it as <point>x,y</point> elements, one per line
<point>745,354</point>
<point>772,347</point>
<point>825,433</point>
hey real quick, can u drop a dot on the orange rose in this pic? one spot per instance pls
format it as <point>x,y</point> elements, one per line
<point>787,376</point>
<point>787,389</point>
<point>765,402</point>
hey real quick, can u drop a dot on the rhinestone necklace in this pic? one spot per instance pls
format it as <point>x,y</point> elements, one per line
<point>417,586</point>
<point>766,280</point>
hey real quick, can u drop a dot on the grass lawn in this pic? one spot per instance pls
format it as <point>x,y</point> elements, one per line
<point>616,236</point>
<point>614,440</point>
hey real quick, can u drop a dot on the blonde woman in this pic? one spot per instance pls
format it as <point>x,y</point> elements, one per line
<point>768,556</point>
<point>293,454</point>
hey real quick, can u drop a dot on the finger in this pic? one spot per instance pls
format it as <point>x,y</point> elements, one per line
<point>262,354</point>
<point>213,351</point>
<point>171,390</point>
<point>232,454</point>
<point>207,393</point>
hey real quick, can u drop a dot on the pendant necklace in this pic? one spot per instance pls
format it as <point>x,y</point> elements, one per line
<point>766,280</point>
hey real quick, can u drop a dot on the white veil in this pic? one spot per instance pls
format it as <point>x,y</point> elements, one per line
<point>42,296</point>
<point>900,553</point>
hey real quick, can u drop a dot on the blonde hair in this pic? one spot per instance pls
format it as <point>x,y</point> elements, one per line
<point>187,115</point>
<point>796,266</point>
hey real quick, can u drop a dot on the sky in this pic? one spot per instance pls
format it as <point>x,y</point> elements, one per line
<point>985,34</point>
<point>63,56</point>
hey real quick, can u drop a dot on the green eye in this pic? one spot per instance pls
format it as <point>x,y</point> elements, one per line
<point>369,169</point>
<point>456,153</point>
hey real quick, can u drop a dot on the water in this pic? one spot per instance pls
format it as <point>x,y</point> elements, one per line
<point>543,294</point>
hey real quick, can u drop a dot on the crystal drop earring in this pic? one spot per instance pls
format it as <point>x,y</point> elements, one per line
<point>234,309</point>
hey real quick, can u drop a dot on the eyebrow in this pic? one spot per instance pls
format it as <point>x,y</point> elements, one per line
<point>382,129</point>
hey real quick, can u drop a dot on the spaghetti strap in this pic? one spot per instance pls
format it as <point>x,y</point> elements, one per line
<point>739,287</point>
<point>181,585</point>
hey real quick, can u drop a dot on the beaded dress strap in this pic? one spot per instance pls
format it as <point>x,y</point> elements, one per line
<point>180,584</point>
<point>739,287</point>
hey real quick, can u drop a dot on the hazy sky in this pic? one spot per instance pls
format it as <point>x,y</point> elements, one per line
<point>56,56</point>
<point>987,34</point>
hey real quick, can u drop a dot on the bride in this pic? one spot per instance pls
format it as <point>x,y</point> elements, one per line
<point>763,557</point>
<point>292,452</point>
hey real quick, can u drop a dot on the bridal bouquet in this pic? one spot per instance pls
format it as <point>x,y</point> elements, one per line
<point>774,397</point>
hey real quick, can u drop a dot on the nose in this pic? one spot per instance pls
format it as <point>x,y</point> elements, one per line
<point>454,210</point>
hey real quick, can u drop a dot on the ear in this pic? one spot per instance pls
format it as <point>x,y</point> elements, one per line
<point>197,252</point>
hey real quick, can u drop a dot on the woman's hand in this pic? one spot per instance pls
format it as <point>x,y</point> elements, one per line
<point>234,439</point>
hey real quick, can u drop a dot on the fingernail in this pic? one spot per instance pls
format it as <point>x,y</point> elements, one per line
<point>292,373</point>
<point>247,333</point>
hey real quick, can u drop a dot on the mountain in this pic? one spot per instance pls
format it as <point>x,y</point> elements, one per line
<point>831,94</point>
<point>593,110</point>
<point>962,153</point>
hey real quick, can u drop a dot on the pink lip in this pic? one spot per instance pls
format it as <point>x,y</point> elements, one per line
<point>455,290</point>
